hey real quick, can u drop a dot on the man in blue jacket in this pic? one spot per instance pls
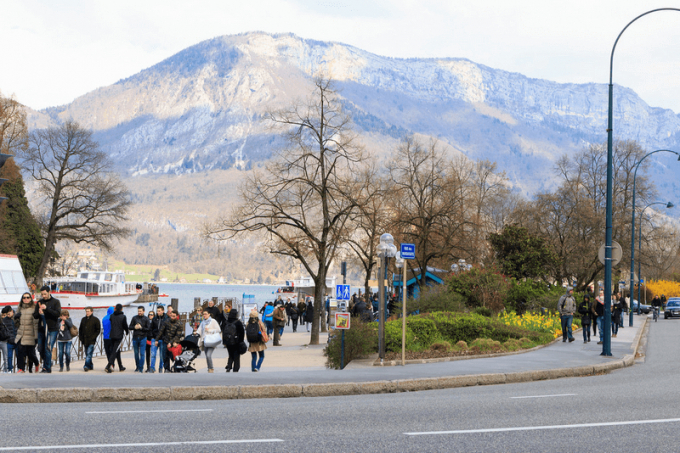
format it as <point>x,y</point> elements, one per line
<point>106,328</point>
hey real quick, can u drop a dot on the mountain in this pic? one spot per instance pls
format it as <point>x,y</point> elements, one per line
<point>200,109</point>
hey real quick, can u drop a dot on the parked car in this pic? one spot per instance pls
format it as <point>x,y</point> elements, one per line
<point>644,308</point>
<point>672,308</point>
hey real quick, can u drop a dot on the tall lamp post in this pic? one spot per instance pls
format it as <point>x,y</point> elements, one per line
<point>386,250</point>
<point>632,236</point>
<point>669,205</point>
<point>607,343</point>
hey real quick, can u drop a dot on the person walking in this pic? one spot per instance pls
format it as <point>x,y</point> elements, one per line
<point>279,318</point>
<point>309,314</point>
<point>197,318</point>
<point>599,312</point>
<point>593,313</point>
<point>139,325</point>
<point>301,307</point>
<point>617,309</point>
<point>294,315</point>
<point>161,341</point>
<point>567,306</point>
<point>257,337</point>
<point>119,328</point>
<point>108,343</point>
<point>213,310</point>
<point>8,322</point>
<point>26,321</point>
<point>208,327</point>
<point>50,308</point>
<point>64,340</point>
<point>172,332</point>
<point>267,317</point>
<point>151,349</point>
<point>584,311</point>
<point>233,334</point>
<point>89,330</point>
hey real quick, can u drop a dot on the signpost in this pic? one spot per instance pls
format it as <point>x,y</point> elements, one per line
<point>342,319</point>
<point>342,292</point>
<point>406,252</point>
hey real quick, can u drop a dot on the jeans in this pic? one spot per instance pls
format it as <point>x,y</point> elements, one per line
<point>270,327</point>
<point>566,326</point>
<point>89,351</point>
<point>159,348</point>
<point>586,332</point>
<point>600,326</point>
<point>139,347</point>
<point>3,351</point>
<point>256,364</point>
<point>208,357</point>
<point>10,356</point>
<point>47,343</point>
<point>64,348</point>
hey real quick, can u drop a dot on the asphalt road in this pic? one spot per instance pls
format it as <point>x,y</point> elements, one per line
<point>632,409</point>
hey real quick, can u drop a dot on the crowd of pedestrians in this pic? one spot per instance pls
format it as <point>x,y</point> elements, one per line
<point>592,313</point>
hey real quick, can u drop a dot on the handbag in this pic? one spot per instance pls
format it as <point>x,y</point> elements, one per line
<point>242,348</point>
<point>74,331</point>
<point>212,340</point>
<point>265,337</point>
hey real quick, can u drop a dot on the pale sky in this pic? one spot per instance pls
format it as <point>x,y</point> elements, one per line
<point>54,51</point>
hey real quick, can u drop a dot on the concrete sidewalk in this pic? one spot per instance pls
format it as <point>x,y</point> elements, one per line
<point>295,370</point>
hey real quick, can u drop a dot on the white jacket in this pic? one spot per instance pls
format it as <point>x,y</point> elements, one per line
<point>208,326</point>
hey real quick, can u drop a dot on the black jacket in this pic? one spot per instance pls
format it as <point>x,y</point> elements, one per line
<point>584,311</point>
<point>309,313</point>
<point>171,332</point>
<point>154,327</point>
<point>89,330</point>
<point>119,326</point>
<point>214,312</point>
<point>142,321</point>
<point>11,329</point>
<point>240,331</point>
<point>51,312</point>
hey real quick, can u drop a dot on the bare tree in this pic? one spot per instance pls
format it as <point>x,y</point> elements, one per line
<point>83,200</point>
<point>302,199</point>
<point>428,200</point>
<point>13,130</point>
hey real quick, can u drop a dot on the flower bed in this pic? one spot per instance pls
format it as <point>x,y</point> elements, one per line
<point>550,323</point>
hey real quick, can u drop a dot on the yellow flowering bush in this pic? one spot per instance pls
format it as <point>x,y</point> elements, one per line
<point>535,322</point>
<point>665,287</point>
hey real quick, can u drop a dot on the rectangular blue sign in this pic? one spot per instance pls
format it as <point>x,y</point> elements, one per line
<point>342,292</point>
<point>408,251</point>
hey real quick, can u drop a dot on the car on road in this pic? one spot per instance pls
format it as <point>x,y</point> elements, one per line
<point>672,308</point>
<point>644,308</point>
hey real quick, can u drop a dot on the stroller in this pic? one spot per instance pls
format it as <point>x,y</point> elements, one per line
<point>190,350</point>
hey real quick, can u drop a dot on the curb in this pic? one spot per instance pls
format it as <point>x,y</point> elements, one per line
<point>87,395</point>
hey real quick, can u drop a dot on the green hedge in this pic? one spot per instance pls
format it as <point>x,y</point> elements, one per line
<point>455,327</point>
<point>360,340</point>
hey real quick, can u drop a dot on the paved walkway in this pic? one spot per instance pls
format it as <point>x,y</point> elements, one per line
<point>295,363</point>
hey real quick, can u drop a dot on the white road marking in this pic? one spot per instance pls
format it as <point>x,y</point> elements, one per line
<point>541,396</point>
<point>536,428</point>
<point>149,412</point>
<point>150,444</point>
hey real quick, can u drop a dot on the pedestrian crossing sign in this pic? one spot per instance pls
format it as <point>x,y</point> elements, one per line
<point>342,292</point>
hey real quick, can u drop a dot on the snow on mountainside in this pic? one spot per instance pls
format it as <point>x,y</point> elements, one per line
<point>200,109</point>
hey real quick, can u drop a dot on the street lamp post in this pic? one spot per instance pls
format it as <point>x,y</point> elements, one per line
<point>632,236</point>
<point>607,346</point>
<point>386,250</point>
<point>401,264</point>
<point>669,205</point>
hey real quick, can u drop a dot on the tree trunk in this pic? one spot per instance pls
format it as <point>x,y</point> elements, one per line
<point>49,248</point>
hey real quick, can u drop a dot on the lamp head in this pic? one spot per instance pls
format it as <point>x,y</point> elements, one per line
<point>386,239</point>
<point>381,249</point>
<point>670,205</point>
<point>391,251</point>
<point>454,267</point>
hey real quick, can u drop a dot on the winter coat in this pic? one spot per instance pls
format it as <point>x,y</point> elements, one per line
<point>207,327</point>
<point>268,312</point>
<point>599,308</point>
<point>214,312</point>
<point>240,330</point>
<point>301,307</point>
<point>142,321</point>
<point>171,332</point>
<point>616,311</point>
<point>119,326</point>
<point>279,317</point>
<point>309,313</point>
<point>11,329</point>
<point>567,305</point>
<point>584,311</point>
<point>293,313</point>
<point>89,330</point>
<point>64,335</point>
<point>106,324</point>
<point>260,345</point>
<point>52,313</point>
<point>154,327</point>
<point>27,324</point>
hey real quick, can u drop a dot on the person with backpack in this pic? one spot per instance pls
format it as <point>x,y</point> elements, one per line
<point>233,334</point>
<point>584,311</point>
<point>294,315</point>
<point>108,343</point>
<point>256,334</point>
<point>119,328</point>
<point>8,322</point>
<point>567,306</point>
<point>208,327</point>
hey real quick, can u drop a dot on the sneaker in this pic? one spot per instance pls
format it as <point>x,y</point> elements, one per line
<point>20,371</point>
<point>599,342</point>
<point>211,371</point>
<point>122,368</point>
<point>585,342</point>
<point>570,340</point>
<point>61,369</point>
<point>86,369</point>
<point>151,370</point>
<point>68,368</point>
<point>107,369</point>
<point>614,336</point>
<point>254,370</point>
<point>45,371</point>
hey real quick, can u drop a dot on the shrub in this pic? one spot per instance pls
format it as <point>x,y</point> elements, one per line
<point>436,298</point>
<point>441,346</point>
<point>512,344</point>
<point>462,345</point>
<point>481,287</point>
<point>360,340</point>
<point>483,311</point>
<point>525,295</point>
<point>425,330</point>
<point>486,345</point>
<point>393,337</point>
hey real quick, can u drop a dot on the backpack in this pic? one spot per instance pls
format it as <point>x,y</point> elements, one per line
<point>253,333</point>
<point>4,332</point>
<point>229,334</point>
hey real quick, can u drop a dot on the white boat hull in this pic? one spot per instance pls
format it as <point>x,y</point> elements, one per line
<point>80,301</point>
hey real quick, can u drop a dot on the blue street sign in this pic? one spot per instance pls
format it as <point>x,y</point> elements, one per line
<point>342,292</point>
<point>642,281</point>
<point>408,251</point>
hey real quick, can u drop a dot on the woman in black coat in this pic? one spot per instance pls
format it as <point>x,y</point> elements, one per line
<point>309,314</point>
<point>233,334</point>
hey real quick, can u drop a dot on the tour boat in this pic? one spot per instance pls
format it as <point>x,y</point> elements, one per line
<point>96,289</point>
<point>12,281</point>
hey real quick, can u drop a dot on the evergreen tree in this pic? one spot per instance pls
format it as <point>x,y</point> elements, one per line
<point>19,231</point>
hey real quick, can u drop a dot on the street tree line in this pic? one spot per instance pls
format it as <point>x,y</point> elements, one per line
<point>323,198</point>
